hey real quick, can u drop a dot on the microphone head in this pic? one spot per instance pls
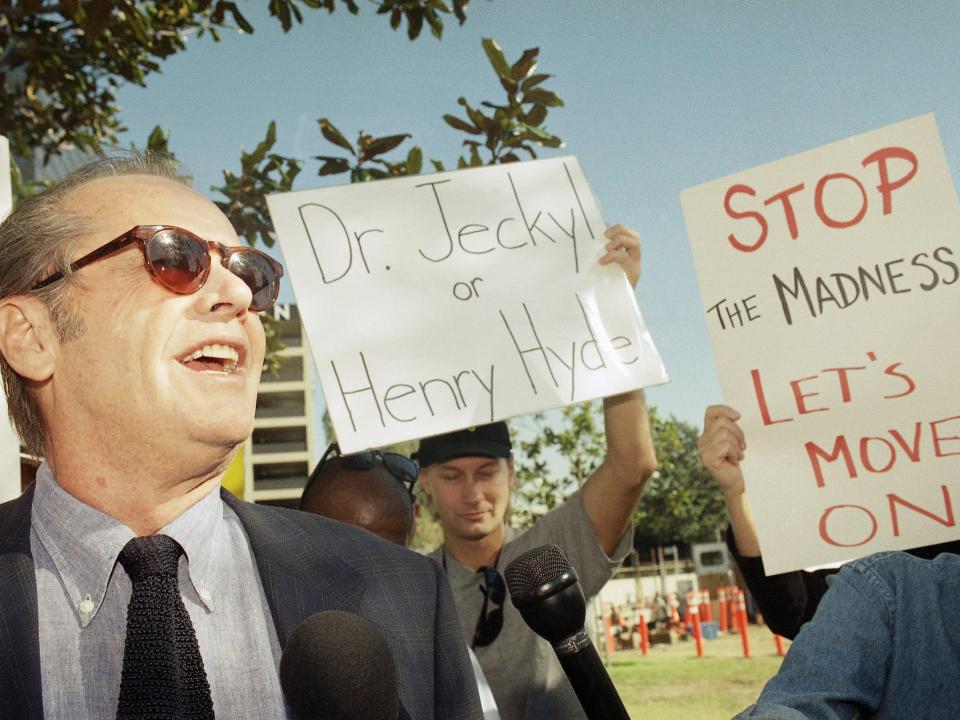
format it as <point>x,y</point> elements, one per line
<point>338,666</point>
<point>546,591</point>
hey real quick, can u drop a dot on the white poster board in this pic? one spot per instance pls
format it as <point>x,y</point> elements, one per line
<point>9,442</point>
<point>439,302</point>
<point>830,284</point>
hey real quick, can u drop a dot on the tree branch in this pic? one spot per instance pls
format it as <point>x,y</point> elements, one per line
<point>19,12</point>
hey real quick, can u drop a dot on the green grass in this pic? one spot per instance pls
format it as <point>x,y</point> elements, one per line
<point>672,683</point>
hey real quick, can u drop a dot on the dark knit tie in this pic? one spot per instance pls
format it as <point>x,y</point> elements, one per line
<point>163,676</point>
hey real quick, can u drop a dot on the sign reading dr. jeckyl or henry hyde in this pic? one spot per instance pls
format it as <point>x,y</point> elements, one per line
<point>830,283</point>
<point>444,301</point>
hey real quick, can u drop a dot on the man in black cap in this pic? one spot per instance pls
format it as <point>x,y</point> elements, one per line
<point>468,476</point>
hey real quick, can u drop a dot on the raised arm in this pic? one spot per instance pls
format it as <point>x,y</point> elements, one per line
<point>787,600</point>
<point>721,449</point>
<point>611,493</point>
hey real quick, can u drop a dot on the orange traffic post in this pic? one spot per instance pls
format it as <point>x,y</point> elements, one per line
<point>697,629</point>
<point>722,597</point>
<point>734,620</point>
<point>779,641</point>
<point>742,622</point>
<point>608,632</point>
<point>674,609</point>
<point>644,632</point>
<point>706,612</point>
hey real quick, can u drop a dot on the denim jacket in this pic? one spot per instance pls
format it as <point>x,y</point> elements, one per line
<point>884,643</point>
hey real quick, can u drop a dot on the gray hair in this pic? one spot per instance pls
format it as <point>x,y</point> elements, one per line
<point>37,238</point>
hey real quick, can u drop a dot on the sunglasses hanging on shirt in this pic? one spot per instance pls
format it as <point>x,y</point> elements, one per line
<point>490,623</point>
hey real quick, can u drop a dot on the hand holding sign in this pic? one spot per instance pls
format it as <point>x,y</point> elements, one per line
<point>624,250</point>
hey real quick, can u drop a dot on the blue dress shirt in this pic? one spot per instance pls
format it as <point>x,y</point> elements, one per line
<point>884,643</point>
<point>82,597</point>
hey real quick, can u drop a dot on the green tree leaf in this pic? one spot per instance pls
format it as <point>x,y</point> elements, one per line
<point>542,97</point>
<point>497,59</point>
<point>458,124</point>
<point>335,136</point>
<point>527,63</point>
<point>383,145</point>
<point>414,160</point>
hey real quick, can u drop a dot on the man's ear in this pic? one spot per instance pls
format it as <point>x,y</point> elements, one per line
<point>27,339</point>
<point>513,472</point>
<point>424,481</point>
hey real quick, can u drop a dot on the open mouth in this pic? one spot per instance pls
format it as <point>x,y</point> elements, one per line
<point>213,358</point>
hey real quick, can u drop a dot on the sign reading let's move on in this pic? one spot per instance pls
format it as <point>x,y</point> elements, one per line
<point>439,302</point>
<point>830,283</point>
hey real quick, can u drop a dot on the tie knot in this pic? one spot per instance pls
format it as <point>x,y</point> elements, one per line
<point>153,555</point>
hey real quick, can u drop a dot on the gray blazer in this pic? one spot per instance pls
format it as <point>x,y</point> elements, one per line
<point>307,564</point>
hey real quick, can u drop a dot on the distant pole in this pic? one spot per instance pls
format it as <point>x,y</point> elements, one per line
<point>644,631</point>
<point>779,642</point>
<point>741,604</point>
<point>9,442</point>
<point>697,629</point>
<point>722,596</point>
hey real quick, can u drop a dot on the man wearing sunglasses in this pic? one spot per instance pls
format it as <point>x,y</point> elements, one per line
<point>132,585</point>
<point>468,476</point>
<point>372,490</point>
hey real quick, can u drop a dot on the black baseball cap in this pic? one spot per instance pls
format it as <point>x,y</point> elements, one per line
<point>491,440</point>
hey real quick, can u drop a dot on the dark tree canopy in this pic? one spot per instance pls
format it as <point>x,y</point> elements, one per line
<point>62,62</point>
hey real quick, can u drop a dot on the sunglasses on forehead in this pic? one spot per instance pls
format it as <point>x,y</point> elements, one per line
<point>399,466</point>
<point>180,261</point>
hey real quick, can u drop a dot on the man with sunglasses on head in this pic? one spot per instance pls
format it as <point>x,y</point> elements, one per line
<point>374,490</point>
<point>133,585</point>
<point>468,476</point>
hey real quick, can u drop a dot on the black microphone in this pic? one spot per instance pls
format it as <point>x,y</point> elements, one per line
<point>338,666</point>
<point>546,590</point>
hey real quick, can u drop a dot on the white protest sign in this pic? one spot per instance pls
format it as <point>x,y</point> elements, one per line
<point>438,302</point>
<point>9,442</point>
<point>831,286</point>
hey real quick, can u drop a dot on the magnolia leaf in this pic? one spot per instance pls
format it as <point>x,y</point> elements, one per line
<point>525,65</point>
<point>414,161</point>
<point>496,57</point>
<point>384,144</point>
<point>334,136</point>
<point>458,124</point>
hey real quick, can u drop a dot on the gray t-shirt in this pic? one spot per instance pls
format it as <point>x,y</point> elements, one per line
<point>521,667</point>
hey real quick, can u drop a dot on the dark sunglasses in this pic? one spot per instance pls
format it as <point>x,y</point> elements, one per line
<point>180,261</point>
<point>399,466</point>
<point>490,623</point>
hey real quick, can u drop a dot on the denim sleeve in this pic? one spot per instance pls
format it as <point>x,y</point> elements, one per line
<point>837,666</point>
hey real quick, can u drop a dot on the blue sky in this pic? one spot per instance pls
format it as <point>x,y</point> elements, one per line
<point>659,97</point>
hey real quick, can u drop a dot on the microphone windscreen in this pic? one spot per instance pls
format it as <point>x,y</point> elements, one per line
<point>338,666</point>
<point>534,568</point>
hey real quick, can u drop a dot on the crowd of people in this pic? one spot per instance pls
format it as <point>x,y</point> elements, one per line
<point>135,587</point>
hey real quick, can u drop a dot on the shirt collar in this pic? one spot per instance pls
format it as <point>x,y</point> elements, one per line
<point>84,542</point>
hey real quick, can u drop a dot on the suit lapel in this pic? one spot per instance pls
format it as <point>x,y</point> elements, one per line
<point>302,572</point>
<point>20,684</point>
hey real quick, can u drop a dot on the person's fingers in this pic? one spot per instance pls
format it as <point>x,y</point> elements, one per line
<point>623,248</point>
<point>715,411</point>
<point>721,418</point>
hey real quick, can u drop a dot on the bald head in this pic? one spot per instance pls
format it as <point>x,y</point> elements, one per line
<point>371,499</point>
